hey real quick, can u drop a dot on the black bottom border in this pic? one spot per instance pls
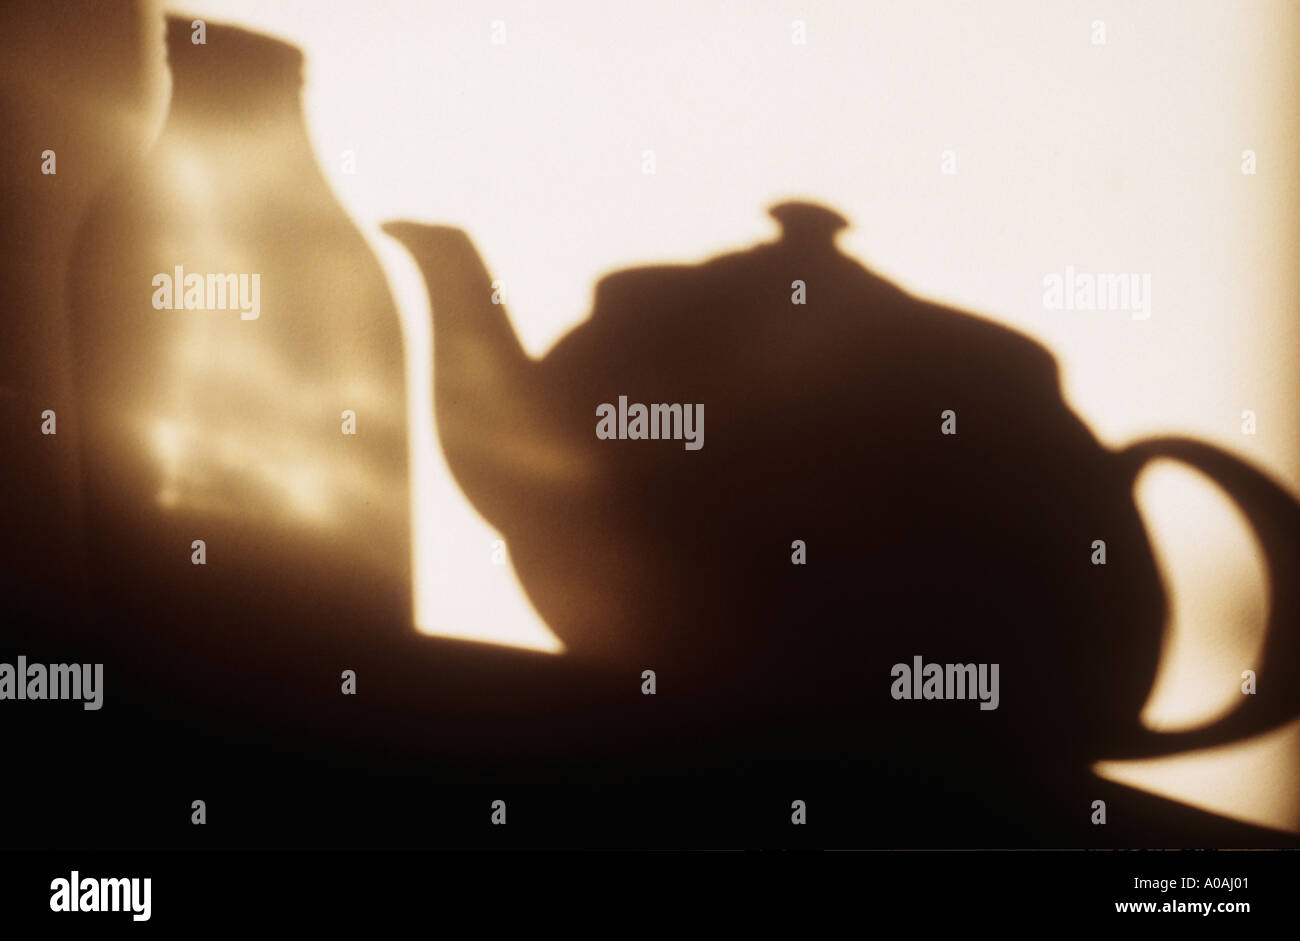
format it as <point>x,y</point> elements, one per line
<point>988,887</point>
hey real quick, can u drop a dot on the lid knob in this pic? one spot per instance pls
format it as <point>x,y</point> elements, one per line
<point>807,223</point>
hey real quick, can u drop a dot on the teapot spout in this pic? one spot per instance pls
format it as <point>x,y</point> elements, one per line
<point>486,388</point>
<point>473,339</point>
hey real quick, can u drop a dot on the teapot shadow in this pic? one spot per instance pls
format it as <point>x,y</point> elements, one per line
<point>946,500</point>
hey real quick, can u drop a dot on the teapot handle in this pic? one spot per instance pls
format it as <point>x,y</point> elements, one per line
<point>1275,517</point>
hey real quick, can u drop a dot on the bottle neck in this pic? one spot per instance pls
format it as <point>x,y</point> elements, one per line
<point>233,77</point>
<point>233,105</point>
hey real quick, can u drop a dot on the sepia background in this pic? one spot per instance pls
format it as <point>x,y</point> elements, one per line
<point>1122,156</point>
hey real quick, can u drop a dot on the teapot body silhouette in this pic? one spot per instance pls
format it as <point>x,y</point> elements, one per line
<point>825,429</point>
